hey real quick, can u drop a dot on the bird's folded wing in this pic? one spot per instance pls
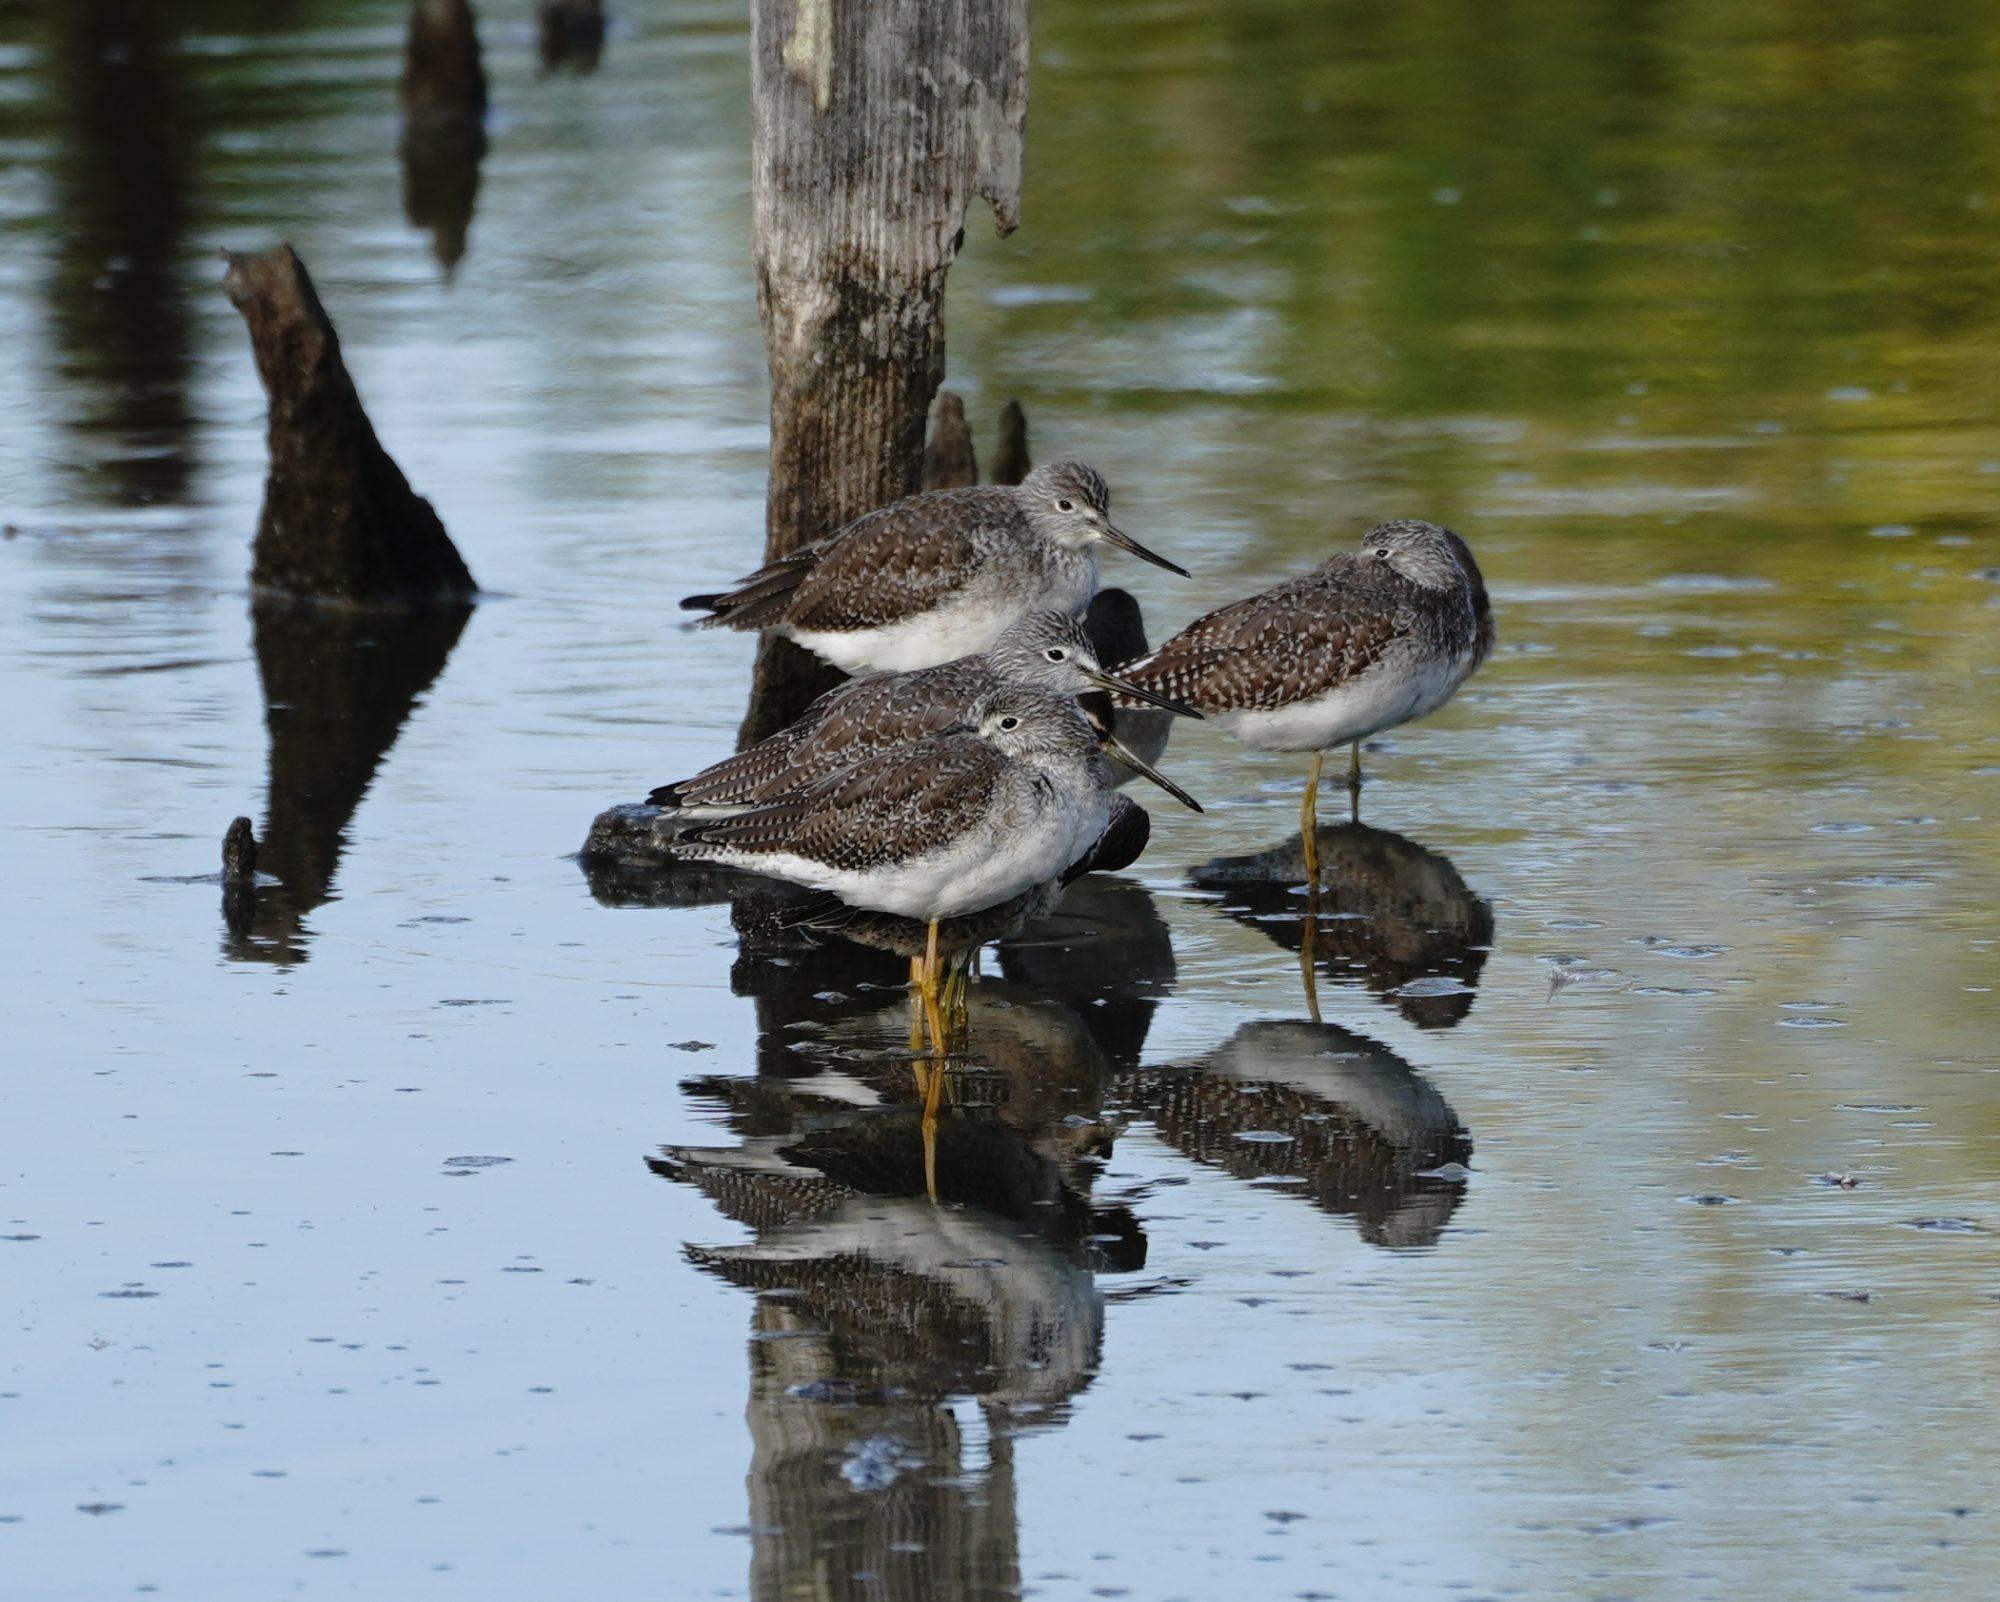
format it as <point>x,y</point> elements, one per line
<point>889,807</point>
<point>1291,643</point>
<point>899,562</point>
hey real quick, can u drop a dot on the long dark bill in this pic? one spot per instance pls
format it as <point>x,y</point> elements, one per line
<point>1146,769</point>
<point>1125,542</point>
<point>1106,681</point>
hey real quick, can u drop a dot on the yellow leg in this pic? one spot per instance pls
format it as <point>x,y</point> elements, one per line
<point>931,1098</point>
<point>1354,782</point>
<point>916,1005</point>
<point>933,1011</point>
<point>957,1014</point>
<point>1309,822</point>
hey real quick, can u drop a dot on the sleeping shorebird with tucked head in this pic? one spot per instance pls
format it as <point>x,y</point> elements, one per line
<point>1048,650</point>
<point>1369,639</point>
<point>935,576</point>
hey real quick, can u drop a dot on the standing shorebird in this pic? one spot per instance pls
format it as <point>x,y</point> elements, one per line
<point>936,828</point>
<point>1367,640</point>
<point>937,575</point>
<point>1048,651</point>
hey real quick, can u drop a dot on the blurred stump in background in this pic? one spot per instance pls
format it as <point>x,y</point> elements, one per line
<point>1010,454</point>
<point>443,98</point>
<point>875,126</point>
<point>340,523</point>
<point>949,462</point>
<point>570,34</point>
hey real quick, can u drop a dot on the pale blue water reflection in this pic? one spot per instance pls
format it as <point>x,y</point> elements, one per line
<point>1682,322</point>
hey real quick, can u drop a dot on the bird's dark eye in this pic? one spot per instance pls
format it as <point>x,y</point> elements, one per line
<point>1056,653</point>
<point>1065,506</point>
<point>1382,551</point>
<point>1010,723</point>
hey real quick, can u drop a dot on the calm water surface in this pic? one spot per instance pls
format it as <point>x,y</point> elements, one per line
<point>451,1223</point>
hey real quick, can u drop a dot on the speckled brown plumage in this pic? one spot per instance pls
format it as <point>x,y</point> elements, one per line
<point>1288,644</point>
<point>1409,605</point>
<point>892,805</point>
<point>900,560</point>
<point>882,710</point>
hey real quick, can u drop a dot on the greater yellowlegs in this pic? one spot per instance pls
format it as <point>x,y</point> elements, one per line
<point>937,828</point>
<point>1047,650</point>
<point>937,575</point>
<point>1367,640</point>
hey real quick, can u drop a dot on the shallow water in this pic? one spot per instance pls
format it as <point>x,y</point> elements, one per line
<point>448,1225</point>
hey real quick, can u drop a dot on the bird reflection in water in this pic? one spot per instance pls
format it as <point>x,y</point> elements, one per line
<point>1320,1112</point>
<point>923,1296</point>
<point>1388,913</point>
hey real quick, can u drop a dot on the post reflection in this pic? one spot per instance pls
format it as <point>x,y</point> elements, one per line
<point>337,689</point>
<point>443,96</point>
<point>123,175</point>
<point>1390,915</point>
<point>1319,1112</point>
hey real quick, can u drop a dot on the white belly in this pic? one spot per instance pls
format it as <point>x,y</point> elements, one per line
<point>1380,699</point>
<point>964,626</point>
<point>967,877</point>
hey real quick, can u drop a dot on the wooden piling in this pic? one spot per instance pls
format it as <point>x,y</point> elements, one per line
<point>874,128</point>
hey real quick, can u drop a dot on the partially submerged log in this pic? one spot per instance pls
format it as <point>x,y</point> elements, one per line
<point>340,523</point>
<point>949,462</point>
<point>875,127</point>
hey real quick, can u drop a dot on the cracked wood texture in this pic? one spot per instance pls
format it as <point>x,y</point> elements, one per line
<point>876,126</point>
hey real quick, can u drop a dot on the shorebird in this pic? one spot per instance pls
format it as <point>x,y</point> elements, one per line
<point>937,828</point>
<point>1367,640</point>
<point>937,575</point>
<point>1047,650</point>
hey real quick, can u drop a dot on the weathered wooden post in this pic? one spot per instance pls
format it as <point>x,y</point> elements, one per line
<point>875,126</point>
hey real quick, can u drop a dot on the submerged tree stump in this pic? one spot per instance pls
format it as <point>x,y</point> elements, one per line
<point>949,462</point>
<point>875,126</point>
<point>340,523</point>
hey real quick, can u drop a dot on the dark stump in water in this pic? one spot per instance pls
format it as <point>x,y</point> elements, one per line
<point>948,459</point>
<point>340,523</point>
